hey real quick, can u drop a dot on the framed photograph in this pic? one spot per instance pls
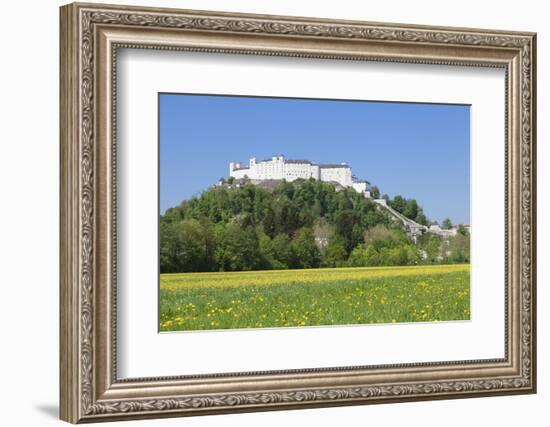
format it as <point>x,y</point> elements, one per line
<point>266,212</point>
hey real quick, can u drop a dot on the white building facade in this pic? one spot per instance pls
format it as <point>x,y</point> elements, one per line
<point>280,168</point>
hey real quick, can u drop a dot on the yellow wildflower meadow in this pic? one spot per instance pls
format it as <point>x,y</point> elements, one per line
<point>334,296</point>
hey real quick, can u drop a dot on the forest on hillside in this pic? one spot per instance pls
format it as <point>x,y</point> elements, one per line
<point>299,224</point>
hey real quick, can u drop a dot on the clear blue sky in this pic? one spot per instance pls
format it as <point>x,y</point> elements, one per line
<point>419,151</point>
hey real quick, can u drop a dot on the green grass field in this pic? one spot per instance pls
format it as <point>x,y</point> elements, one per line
<point>335,296</point>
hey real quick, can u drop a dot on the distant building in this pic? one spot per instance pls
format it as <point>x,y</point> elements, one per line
<point>453,231</point>
<point>436,229</point>
<point>279,168</point>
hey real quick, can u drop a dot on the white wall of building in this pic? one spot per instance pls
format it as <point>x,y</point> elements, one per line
<point>360,187</point>
<point>340,174</point>
<point>280,168</point>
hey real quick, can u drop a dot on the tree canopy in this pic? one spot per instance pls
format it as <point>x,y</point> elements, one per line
<point>299,224</point>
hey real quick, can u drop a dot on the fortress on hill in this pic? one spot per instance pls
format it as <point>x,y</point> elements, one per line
<point>278,168</point>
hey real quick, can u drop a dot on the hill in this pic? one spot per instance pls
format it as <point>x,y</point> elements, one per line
<point>299,224</point>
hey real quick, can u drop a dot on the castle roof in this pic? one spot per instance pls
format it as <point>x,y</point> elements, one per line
<point>333,166</point>
<point>307,162</point>
<point>304,162</point>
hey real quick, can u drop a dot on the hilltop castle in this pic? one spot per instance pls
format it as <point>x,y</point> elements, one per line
<point>278,168</point>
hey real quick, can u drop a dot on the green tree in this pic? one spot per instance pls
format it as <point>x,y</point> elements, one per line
<point>344,226</point>
<point>429,245</point>
<point>462,230</point>
<point>286,217</point>
<point>282,251</point>
<point>168,247</point>
<point>399,204</point>
<point>364,256</point>
<point>269,222</point>
<point>372,256</point>
<point>411,209</point>
<point>186,246</point>
<point>421,218</point>
<point>357,257</point>
<point>239,249</point>
<point>382,236</point>
<point>401,254</point>
<point>305,251</point>
<point>459,248</point>
<point>446,224</point>
<point>335,253</point>
<point>322,232</point>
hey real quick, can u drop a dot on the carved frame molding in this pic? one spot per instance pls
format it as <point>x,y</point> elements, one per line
<point>90,35</point>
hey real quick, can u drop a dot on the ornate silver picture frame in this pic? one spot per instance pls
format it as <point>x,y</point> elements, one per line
<point>91,390</point>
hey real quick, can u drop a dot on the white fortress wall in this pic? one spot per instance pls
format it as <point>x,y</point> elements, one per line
<point>360,186</point>
<point>240,173</point>
<point>237,170</point>
<point>337,173</point>
<point>267,169</point>
<point>278,168</point>
<point>295,169</point>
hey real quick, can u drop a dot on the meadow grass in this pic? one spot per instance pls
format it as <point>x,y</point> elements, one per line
<point>335,296</point>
